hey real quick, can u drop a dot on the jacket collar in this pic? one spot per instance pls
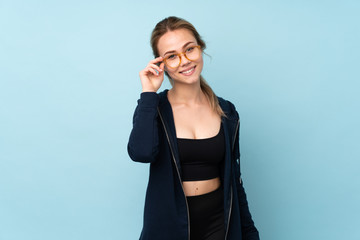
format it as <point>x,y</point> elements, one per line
<point>167,116</point>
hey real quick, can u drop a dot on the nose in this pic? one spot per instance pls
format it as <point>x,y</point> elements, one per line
<point>184,61</point>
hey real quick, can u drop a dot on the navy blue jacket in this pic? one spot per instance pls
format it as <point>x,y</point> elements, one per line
<point>153,140</point>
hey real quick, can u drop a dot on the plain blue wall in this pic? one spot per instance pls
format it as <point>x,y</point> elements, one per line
<point>69,84</point>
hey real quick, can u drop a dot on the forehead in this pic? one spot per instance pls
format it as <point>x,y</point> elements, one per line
<point>175,40</point>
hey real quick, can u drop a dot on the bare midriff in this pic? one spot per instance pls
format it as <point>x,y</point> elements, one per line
<point>194,188</point>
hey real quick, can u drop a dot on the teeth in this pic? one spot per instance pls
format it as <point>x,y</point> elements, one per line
<point>188,71</point>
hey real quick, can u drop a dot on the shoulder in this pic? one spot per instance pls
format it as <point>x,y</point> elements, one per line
<point>228,107</point>
<point>163,97</point>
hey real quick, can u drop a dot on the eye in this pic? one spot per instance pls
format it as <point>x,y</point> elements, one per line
<point>171,57</point>
<point>190,49</point>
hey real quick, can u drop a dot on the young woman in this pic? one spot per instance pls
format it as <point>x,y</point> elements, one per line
<point>191,138</point>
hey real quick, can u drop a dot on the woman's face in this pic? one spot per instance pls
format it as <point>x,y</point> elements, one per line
<point>178,41</point>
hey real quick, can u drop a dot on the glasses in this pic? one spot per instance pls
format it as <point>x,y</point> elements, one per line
<point>191,53</point>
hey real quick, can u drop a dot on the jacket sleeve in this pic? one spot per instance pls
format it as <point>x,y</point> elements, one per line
<point>249,231</point>
<point>144,140</point>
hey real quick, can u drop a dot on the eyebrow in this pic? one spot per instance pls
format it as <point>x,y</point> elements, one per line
<point>173,51</point>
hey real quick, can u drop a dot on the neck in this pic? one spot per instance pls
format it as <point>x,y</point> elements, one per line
<point>186,94</point>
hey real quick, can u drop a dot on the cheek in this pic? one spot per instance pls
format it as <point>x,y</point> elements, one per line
<point>200,64</point>
<point>201,60</point>
<point>170,71</point>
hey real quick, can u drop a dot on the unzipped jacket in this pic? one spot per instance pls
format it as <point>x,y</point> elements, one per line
<point>153,140</point>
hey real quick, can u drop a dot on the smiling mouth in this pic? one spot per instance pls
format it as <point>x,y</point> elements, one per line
<point>187,72</point>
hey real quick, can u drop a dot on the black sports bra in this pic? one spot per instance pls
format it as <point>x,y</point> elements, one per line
<point>200,158</point>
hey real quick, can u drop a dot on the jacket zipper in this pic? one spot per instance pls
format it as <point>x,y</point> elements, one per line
<point>231,198</point>
<point>178,173</point>
<point>237,128</point>
<point>231,191</point>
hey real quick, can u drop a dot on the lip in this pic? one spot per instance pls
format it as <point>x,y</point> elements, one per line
<point>187,69</point>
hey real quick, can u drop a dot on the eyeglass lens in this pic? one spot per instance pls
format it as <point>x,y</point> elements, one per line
<point>191,53</point>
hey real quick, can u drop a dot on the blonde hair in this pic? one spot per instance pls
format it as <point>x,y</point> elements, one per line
<point>174,23</point>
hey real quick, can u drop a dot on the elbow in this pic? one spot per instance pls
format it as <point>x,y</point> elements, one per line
<point>251,233</point>
<point>140,155</point>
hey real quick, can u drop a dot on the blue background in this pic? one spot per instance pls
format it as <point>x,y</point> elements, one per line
<point>69,84</point>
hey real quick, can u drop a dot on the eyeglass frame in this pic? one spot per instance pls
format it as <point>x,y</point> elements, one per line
<point>179,55</point>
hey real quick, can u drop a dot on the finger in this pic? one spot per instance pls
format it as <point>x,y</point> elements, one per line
<point>162,66</point>
<point>157,60</point>
<point>154,66</point>
<point>150,70</point>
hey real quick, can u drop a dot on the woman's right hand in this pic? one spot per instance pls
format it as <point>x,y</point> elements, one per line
<point>152,75</point>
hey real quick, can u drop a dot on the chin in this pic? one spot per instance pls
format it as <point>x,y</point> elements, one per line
<point>187,80</point>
